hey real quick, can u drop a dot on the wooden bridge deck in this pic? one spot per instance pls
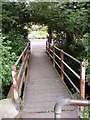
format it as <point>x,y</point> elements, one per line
<point>44,86</point>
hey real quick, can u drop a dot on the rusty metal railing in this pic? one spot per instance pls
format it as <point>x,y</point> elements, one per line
<point>19,79</point>
<point>81,77</point>
<point>59,105</point>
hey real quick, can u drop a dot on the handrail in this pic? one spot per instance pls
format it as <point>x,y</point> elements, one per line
<point>19,79</point>
<point>71,82</point>
<point>76,60</point>
<point>67,101</point>
<point>61,59</point>
<point>57,48</point>
<point>19,59</point>
<point>71,70</point>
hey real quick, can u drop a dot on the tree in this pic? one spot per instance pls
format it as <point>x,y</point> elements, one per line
<point>70,18</point>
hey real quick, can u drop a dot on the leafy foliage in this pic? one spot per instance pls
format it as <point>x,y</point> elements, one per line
<point>86,55</point>
<point>67,23</point>
<point>14,41</point>
<point>9,55</point>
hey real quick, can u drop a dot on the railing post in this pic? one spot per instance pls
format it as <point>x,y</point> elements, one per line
<point>48,40</point>
<point>53,55</point>
<point>23,60</point>
<point>49,50</point>
<point>27,56</point>
<point>30,48</point>
<point>62,66</point>
<point>27,53</point>
<point>46,45</point>
<point>15,87</point>
<point>82,80</point>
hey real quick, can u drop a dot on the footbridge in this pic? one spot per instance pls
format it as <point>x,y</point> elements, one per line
<point>43,90</point>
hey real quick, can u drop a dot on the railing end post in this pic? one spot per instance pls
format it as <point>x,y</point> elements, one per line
<point>58,107</point>
<point>13,68</point>
<point>15,86</point>
<point>82,80</point>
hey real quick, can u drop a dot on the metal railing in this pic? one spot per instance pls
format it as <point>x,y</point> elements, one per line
<point>81,77</point>
<point>59,105</point>
<point>19,79</point>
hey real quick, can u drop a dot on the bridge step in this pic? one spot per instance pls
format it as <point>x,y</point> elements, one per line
<point>37,115</point>
<point>64,114</point>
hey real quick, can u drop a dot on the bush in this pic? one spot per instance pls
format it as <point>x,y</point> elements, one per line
<point>11,48</point>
